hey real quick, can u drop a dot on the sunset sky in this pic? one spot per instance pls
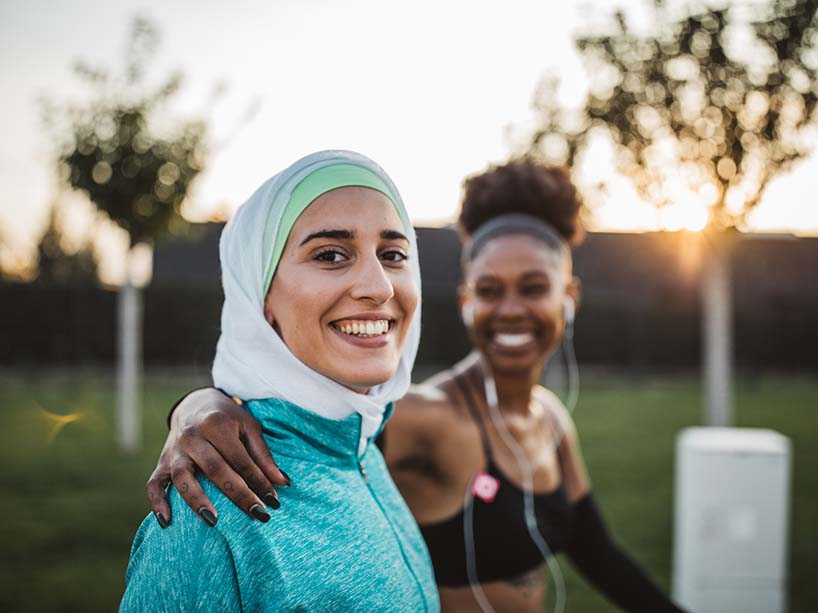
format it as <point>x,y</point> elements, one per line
<point>427,89</point>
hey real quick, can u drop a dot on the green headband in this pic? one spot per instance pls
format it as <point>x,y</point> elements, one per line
<point>305,193</point>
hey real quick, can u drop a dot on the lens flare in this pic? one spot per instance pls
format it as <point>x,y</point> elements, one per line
<point>58,422</point>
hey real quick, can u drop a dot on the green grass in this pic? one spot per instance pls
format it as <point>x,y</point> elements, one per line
<point>71,504</point>
<point>628,435</point>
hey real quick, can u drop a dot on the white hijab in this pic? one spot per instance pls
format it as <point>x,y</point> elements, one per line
<point>252,362</point>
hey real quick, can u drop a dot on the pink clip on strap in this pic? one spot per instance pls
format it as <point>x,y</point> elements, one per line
<point>485,487</point>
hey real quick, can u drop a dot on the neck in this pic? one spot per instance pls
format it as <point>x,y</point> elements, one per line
<point>514,388</point>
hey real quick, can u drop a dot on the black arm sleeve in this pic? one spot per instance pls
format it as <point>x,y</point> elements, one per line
<point>608,568</point>
<point>381,441</point>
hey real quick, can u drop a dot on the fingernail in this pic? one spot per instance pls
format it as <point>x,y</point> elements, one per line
<point>208,517</point>
<point>286,476</point>
<point>163,523</point>
<point>259,513</point>
<point>271,500</point>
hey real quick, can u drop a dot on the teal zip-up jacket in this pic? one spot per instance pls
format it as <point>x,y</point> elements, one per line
<point>342,540</point>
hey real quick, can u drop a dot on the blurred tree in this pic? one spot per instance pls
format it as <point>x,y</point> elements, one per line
<point>711,103</point>
<point>112,151</point>
<point>55,265</point>
<point>4,249</point>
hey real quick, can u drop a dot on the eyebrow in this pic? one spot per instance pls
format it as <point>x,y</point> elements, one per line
<point>345,234</point>
<point>393,235</point>
<point>350,234</point>
<point>534,274</point>
<point>526,276</point>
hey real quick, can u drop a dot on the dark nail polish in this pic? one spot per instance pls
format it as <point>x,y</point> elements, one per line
<point>286,476</point>
<point>271,500</point>
<point>163,523</point>
<point>208,517</point>
<point>259,513</point>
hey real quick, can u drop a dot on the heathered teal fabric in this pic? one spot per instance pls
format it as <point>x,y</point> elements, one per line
<point>339,542</point>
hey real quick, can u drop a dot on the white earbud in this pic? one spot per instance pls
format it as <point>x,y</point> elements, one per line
<point>568,309</point>
<point>467,312</point>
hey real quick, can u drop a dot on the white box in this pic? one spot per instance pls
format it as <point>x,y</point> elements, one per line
<point>732,499</point>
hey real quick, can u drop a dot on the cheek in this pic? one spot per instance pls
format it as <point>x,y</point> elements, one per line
<point>481,314</point>
<point>299,310</point>
<point>406,293</point>
<point>548,308</point>
<point>484,307</point>
<point>480,327</point>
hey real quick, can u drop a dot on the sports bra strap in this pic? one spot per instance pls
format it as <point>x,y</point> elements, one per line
<point>470,401</point>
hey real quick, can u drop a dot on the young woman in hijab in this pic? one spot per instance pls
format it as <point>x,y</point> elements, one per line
<point>319,334</point>
<point>487,459</point>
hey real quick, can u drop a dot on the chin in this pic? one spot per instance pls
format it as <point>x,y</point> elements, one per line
<point>362,379</point>
<point>520,365</point>
<point>509,367</point>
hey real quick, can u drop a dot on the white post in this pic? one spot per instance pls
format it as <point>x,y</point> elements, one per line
<point>129,339</point>
<point>731,521</point>
<point>717,338</point>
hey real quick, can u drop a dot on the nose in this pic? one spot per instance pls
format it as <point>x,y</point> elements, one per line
<point>511,306</point>
<point>371,281</point>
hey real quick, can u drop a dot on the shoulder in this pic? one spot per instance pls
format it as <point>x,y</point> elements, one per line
<point>435,396</point>
<point>575,475</point>
<point>180,565</point>
<point>430,406</point>
<point>426,420</point>
<point>556,412</point>
<point>425,397</point>
<point>187,536</point>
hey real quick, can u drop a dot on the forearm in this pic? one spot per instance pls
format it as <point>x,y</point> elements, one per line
<point>205,395</point>
<point>608,568</point>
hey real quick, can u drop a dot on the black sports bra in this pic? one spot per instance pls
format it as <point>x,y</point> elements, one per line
<point>503,547</point>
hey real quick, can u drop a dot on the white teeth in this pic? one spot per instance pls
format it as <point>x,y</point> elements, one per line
<point>364,328</point>
<point>513,340</point>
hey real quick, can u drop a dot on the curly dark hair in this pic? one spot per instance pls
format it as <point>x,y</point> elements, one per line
<point>523,185</point>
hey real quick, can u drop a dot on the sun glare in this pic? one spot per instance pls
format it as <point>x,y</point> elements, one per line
<point>57,422</point>
<point>686,214</point>
<point>623,210</point>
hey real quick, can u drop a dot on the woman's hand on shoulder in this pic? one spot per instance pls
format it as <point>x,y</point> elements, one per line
<point>211,433</point>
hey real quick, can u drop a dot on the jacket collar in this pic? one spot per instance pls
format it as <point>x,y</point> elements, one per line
<point>297,432</point>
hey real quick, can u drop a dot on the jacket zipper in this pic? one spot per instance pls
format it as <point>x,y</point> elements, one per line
<point>409,567</point>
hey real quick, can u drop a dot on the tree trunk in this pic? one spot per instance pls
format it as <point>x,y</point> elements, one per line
<point>717,336</point>
<point>129,321</point>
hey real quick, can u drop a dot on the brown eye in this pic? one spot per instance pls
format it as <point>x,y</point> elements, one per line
<point>330,256</point>
<point>535,289</point>
<point>488,292</point>
<point>394,256</point>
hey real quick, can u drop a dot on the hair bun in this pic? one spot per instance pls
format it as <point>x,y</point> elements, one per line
<point>525,186</point>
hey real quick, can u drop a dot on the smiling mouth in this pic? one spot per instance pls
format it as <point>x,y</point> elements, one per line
<point>364,328</point>
<point>512,341</point>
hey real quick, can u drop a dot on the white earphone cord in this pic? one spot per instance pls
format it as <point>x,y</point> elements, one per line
<point>528,482</point>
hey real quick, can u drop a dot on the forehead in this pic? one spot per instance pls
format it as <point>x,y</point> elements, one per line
<point>349,208</point>
<point>512,255</point>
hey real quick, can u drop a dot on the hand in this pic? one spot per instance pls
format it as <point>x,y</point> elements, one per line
<point>211,433</point>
